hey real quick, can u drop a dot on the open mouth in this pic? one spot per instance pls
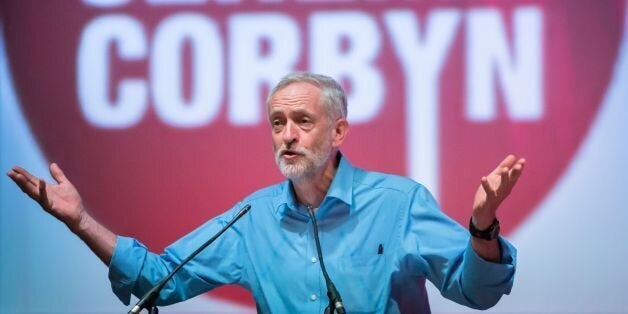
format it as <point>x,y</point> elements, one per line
<point>289,154</point>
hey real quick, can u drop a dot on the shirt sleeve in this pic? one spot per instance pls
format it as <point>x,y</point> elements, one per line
<point>439,249</point>
<point>485,282</point>
<point>135,270</point>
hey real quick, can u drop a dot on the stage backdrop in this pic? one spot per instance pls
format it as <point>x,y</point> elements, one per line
<point>155,110</point>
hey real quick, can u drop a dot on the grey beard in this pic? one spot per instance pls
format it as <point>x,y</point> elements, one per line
<point>310,162</point>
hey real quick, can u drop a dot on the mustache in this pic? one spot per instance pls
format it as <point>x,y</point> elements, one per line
<point>285,149</point>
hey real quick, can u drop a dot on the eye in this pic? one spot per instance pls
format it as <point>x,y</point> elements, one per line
<point>276,124</point>
<point>306,123</point>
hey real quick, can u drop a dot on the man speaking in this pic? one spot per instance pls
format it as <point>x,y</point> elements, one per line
<point>380,235</point>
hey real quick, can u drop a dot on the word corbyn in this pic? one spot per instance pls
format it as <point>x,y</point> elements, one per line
<point>421,52</point>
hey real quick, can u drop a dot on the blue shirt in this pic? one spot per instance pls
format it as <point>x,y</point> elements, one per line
<point>381,237</point>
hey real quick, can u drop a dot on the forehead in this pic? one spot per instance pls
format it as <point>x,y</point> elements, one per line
<point>300,95</point>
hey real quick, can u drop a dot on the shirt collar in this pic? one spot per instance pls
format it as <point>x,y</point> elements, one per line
<point>341,188</point>
<point>342,185</point>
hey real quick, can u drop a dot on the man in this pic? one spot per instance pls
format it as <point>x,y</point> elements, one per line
<point>381,235</point>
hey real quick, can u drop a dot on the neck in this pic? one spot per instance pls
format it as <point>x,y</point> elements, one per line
<point>311,190</point>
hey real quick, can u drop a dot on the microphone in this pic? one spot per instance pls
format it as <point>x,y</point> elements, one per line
<point>148,300</point>
<point>335,302</point>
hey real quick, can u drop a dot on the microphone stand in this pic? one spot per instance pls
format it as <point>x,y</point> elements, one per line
<point>335,302</point>
<point>148,300</point>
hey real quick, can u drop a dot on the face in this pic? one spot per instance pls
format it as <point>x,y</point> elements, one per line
<point>302,131</point>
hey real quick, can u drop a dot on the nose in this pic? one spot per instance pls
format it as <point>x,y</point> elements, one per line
<point>290,133</point>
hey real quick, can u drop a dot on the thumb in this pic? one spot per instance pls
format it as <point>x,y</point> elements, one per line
<point>57,173</point>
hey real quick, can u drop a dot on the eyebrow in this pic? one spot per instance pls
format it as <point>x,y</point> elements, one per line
<point>301,112</point>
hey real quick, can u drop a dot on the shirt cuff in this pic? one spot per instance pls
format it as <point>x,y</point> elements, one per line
<point>124,268</point>
<point>481,272</point>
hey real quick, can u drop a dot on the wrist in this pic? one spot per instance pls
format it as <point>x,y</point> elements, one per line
<point>489,233</point>
<point>482,221</point>
<point>80,223</point>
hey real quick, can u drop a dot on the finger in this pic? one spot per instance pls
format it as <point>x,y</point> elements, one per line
<point>43,196</point>
<point>31,178</point>
<point>24,184</point>
<point>504,176</point>
<point>506,162</point>
<point>486,186</point>
<point>516,171</point>
<point>57,173</point>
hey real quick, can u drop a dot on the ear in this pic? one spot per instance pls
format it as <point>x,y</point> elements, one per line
<point>340,130</point>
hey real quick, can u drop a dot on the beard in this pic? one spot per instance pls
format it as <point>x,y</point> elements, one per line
<point>308,163</point>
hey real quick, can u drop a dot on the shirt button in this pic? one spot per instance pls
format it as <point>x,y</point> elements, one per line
<point>313,260</point>
<point>313,297</point>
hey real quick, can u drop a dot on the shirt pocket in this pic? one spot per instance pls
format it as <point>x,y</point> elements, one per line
<point>363,283</point>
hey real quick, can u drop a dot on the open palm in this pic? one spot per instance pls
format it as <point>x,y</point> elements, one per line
<point>61,200</point>
<point>495,187</point>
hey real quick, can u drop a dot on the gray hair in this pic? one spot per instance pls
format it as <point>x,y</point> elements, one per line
<point>332,94</point>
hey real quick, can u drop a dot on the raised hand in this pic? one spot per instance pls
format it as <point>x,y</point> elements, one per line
<point>494,188</point>
<point>61,200</point>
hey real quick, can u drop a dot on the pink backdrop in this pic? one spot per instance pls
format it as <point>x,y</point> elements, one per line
<point>155,109</point>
